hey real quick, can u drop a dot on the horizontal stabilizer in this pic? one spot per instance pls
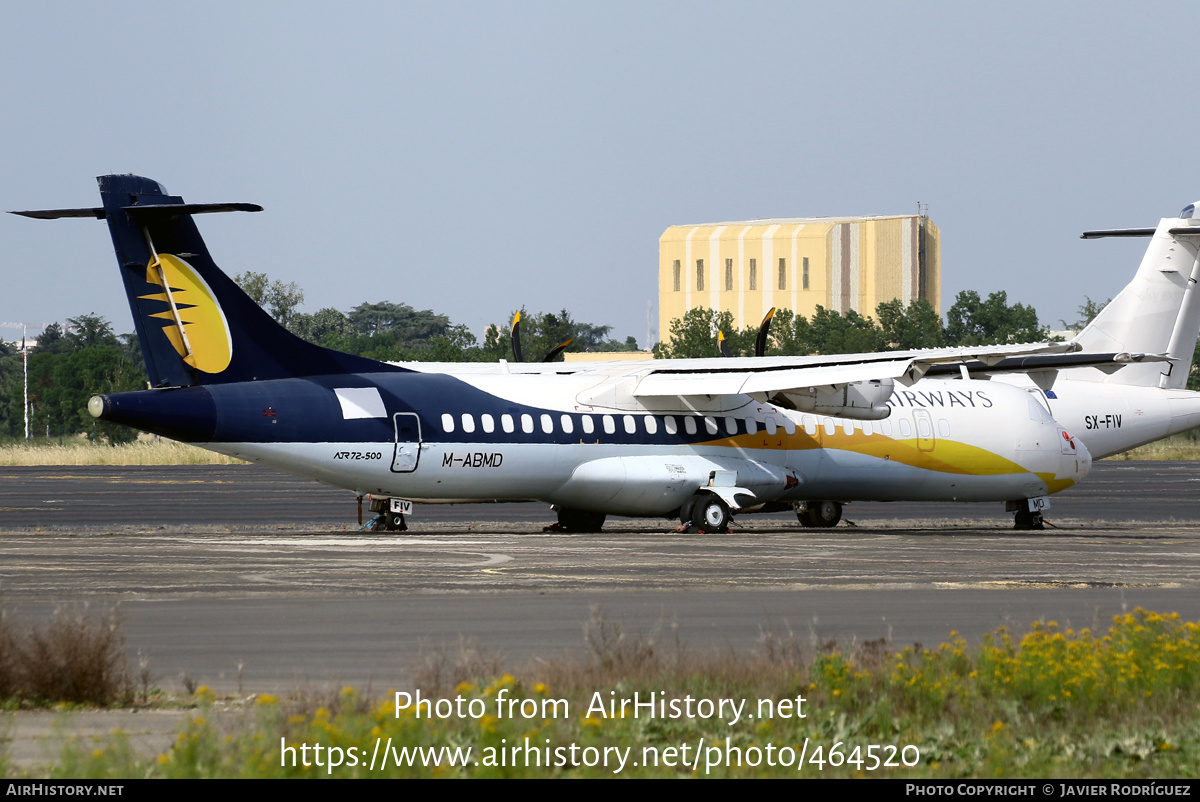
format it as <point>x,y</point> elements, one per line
<point>1046,362</point>
<point>54,214</point>
<point>1118,232</point>
<point>160,210</point>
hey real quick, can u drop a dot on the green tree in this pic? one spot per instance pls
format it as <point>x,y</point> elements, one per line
<point>833,333</point>
<point>61,384</point>
<point>694,336</point>
<point>278,298</point>
<point>323,327</point>
<point>88,330</point>
<point>902,329</point>
<point>972,321</point>
<point>1087,311</point>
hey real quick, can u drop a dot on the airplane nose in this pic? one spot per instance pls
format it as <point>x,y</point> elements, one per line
<point>1083,460</point>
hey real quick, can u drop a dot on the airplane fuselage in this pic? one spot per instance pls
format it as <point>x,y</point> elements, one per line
<point>503,436</point>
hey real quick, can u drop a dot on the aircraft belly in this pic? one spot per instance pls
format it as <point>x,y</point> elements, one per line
<point>848,476</point>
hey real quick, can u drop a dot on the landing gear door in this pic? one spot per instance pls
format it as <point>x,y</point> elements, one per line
<point>408,442</point>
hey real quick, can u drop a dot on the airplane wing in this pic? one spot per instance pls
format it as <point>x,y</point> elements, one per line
<point>848,385</point>
<point>756,375</point>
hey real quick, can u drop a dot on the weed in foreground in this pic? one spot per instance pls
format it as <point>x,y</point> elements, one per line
<point>1051,703</point>
<point>77,657</point>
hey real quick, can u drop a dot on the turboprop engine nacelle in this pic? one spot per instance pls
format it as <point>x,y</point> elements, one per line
<point>866,400</point>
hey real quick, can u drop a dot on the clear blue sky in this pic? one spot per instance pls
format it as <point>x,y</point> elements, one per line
<point>473,158</point>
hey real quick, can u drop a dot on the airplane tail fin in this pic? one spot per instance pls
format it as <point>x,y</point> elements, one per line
<point>194,323</point>
<point>1158,312</point>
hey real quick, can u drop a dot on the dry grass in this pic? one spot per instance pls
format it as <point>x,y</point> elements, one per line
<point>1179,447</point>
<point>140,452</point>
<point>77,657</point>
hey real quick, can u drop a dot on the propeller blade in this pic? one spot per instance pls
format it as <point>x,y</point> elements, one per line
<point>515,336</point>
<point>558,349</point>
<point>721,344</point>
<point>760,344</point>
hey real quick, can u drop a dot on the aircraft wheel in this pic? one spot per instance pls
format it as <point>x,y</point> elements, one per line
<point>394,522</point>
<point>688,509</point>
<point>1028,520</point>
<point>820,514</point>
<point>580,520</point>
<point>711,514</point>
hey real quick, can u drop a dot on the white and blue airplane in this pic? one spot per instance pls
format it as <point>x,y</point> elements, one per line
<point>701,439</point>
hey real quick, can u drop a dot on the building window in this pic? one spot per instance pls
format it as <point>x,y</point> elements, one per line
<point>676,271</point>
<point>699,274</point>
<point>754,274</point>
<point>728,274</point>
<point>805,284</point>
<point>783,274</point>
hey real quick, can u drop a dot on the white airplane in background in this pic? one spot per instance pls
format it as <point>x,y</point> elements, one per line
<point>701,439</point>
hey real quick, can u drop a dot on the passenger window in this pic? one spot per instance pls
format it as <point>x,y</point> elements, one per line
<point>568,425</point>
<point>489,423</point>
<point>943,427</point>
<point>447,422</point>
<point>547,424</point>
<point>751,426</point>
<point>610,426</point>
<point>905,428</point>
<point>651,424</point>
<point>527,424</point>
<point>848,426</point>
<point>731,426</point>
<point>468,423</point>
<point>771,427</point>
<point>689,424</point>
<point>789,425</point>
<point>710,424</point>
<point>886,427</point>
<point>588,426</point>
<point>630,425</point>
<point>830,427</point>
<point>506,421</point>
<point>669,425</point>
<point>866,428</point>
<point>810,425</point>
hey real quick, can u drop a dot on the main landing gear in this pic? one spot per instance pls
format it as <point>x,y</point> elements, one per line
<point>819,514</point>
<point>705,512</point>
<point>578,521</point>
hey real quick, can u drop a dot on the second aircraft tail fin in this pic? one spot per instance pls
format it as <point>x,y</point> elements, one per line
<point>1158,312</point>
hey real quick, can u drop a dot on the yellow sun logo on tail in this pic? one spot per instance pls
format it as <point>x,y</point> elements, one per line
<point>197,327</point>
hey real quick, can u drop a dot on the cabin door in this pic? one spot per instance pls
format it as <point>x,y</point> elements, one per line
<point>408,442</point>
